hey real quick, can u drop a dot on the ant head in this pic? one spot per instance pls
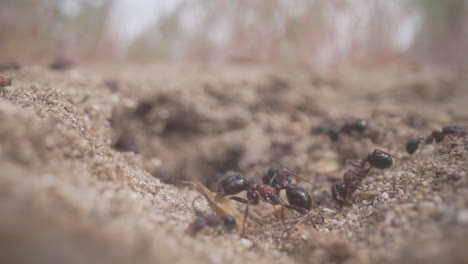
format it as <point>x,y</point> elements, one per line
<point>380,159</point>
<point>450,130</point>
<point>233,183</point>
<point>278,175</point>
<point>339,192</point>
<point>412,145</point>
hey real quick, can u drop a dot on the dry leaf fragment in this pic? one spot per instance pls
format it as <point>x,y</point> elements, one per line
<point>5,80</point>
<point>220,206</point>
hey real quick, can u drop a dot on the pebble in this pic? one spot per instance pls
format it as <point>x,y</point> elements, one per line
<point>437,199</point>
<point>246,243</point>
<point>370,194</point>
<point>352,217</point>
<point>328,210</point>
<point>462,217</point>
<point>384,195</point>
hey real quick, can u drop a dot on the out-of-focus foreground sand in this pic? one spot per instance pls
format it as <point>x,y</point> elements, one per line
<point>68,196</point>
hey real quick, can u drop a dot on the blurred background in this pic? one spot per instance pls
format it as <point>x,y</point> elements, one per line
<point>310,33</point>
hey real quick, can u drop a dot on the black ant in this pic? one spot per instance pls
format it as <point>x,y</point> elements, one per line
<point>212,220</point>
<point>350,127</point>
<point>280,177</point>
<point>353,177</point>
<point>437,136</point>
<point>277,178</point>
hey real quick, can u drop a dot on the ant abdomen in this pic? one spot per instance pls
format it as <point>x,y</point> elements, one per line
<point>229,222</point>
<point>380,160</point>
<point>298,196</point>
<point>339,192</point>
<point>358,125</point>
<point>412,145</point>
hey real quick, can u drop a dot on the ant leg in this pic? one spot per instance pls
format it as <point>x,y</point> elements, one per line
<point>271,181</point>
<point>289,206</point>
<point>420,148</point>
<point>297,176</point>
<point>246,213</point>
<point>284,223</point>
<point>299,210</point>
<point>197,212</point>
<point>355,162</point>
<point>238,199</point>
<point>451,138</point>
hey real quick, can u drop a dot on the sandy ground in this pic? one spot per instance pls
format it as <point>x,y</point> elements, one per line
<point>93,161</point>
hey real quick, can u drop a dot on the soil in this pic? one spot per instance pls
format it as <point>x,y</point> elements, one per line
<point>95,162</point>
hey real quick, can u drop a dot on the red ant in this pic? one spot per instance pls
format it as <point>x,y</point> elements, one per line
<point>268,187</point>
<point>353,177</point>
<point>437,136</point>
<point>350,127</point>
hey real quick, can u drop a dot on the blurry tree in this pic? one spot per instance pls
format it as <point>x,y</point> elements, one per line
<point>443,37</point>
<point>310,32</point>
<point>41,29</point>
<point>161,41</point>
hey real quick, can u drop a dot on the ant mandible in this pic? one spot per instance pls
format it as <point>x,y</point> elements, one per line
<point>353,177</point>
<point>277,178</point>
<point>437,136</point>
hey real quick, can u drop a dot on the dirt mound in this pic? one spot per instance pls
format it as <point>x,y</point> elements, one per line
<point>86,155</point>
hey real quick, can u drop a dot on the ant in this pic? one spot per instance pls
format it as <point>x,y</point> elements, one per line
<point>211,220</point>
<point>353,177</point>
<point>268,188</point>
<point>280,177</point>
<point>437,136</point>
<point>350,127</point>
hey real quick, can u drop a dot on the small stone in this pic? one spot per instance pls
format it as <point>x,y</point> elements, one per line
<point>352,217</point>
<point>246,243</point>
<point>384,195</point>
<point>327,165</point>
<point>400,191</point>
<point>328,210</point>
<point>462,217</point>
<point>370,194</point>
<point>5,80</point>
